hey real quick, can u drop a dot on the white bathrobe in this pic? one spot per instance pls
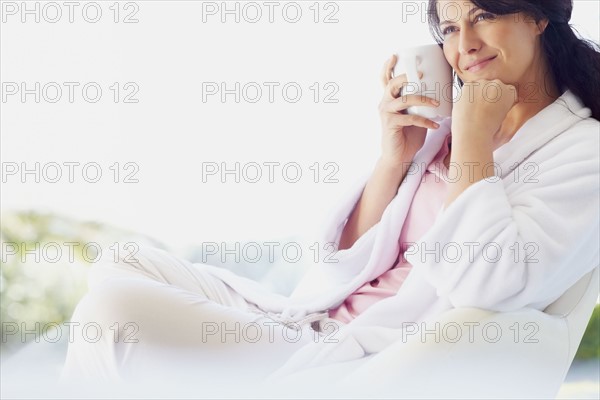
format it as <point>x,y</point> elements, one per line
<point>525,236</point>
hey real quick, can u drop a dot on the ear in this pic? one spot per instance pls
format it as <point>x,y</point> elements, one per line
<point>541,25</point>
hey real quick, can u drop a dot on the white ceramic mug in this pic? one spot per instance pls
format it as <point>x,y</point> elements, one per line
<point>436,82</point>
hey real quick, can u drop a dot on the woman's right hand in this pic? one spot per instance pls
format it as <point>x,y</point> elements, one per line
<point>402,134</point>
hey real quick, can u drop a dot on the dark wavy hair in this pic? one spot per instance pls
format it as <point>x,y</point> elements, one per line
<point>573,61</point>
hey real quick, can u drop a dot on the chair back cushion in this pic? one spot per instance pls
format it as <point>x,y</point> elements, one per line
<point>576,306</point>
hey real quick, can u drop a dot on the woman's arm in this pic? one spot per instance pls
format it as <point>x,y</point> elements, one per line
<point>475,122</point>
<point>520,240</point>
<point>402,136</point>
<point>378,193</point>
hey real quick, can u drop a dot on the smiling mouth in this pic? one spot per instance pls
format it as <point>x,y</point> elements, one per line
<point>481,65</point>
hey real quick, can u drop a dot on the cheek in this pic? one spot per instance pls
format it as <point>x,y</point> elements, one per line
<point>451,56</point>
<point>510,39</point>
<point>516,49</point>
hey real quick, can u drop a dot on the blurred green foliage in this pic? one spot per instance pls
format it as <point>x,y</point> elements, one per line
<point>590,344</point>
<point>43,268</point>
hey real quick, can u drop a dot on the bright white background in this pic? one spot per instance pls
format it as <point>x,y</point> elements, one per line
<point>171,131</point>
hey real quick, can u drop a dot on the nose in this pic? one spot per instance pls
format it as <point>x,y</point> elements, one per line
<point>468,42</point>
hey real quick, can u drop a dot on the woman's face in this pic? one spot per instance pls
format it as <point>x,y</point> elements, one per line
<point>472,35</point>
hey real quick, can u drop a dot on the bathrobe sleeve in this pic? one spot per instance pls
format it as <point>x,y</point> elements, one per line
<point>524,239</point>
<point>326,275</point>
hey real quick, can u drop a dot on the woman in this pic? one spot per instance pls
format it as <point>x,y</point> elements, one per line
<point>546,236</point>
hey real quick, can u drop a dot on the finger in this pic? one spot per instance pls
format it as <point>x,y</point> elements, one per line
<point>401,120</point>
<point>392,65</point>
<point>384,74</point>
<point>395,87</point>
<point>397,84</point>
<point>388,68</point>
<point>403,102</point>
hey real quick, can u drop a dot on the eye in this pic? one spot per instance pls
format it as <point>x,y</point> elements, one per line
<point>486,16</point>
<point>447,30</point>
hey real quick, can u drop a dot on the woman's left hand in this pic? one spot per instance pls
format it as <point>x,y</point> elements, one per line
<point>482,107</point>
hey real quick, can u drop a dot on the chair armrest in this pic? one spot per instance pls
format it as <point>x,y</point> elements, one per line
<point>475,354</point>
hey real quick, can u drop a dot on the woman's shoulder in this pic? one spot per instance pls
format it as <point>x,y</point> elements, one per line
<point>588,123</point>
<point>577,149</point>
<point>584,135</point>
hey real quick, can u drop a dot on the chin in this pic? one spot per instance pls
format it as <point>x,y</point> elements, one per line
<point>486,76</point>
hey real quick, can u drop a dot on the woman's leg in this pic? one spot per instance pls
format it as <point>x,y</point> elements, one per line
<point>163,316</point>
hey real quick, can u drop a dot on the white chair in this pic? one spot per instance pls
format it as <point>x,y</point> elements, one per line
<point>521,354</point>
<point>529,360</point>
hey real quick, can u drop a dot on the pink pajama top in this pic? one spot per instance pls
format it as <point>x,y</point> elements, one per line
<point>427,202</point>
